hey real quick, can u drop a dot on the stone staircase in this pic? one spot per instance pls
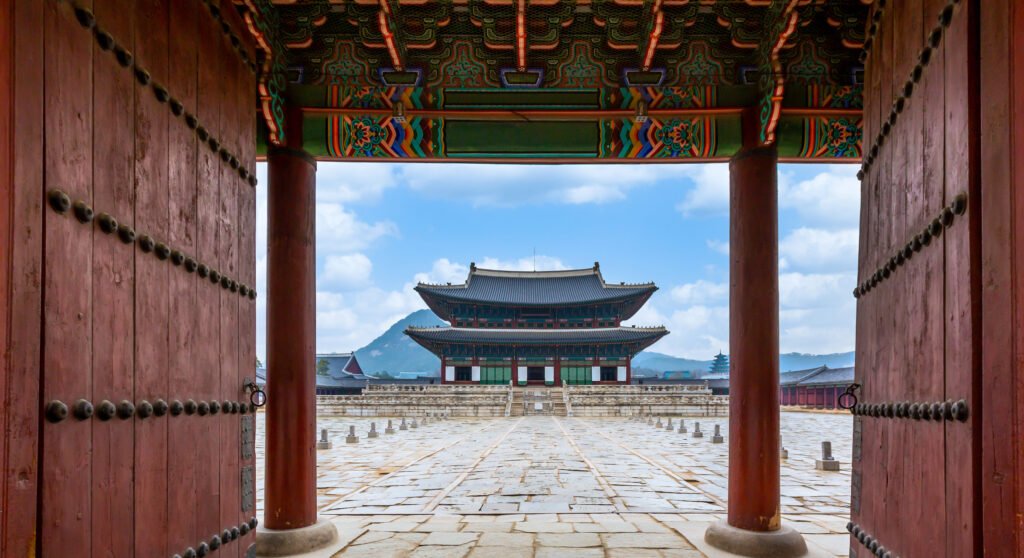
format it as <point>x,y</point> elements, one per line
<point>558,403</point>
<point>517,403</point>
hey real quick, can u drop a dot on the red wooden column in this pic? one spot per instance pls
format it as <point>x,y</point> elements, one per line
<point>290,513</point>
<point>291,340</point>
<point>754,521</point>
<point>754,341</point>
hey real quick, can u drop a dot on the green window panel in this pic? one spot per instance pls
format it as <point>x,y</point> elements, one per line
<point>495,375</point>
<point>577,375</point>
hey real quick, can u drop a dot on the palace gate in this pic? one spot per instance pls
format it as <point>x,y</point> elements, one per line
<point>937,432</point>
<point>128,138</point>
<point>128,315</point>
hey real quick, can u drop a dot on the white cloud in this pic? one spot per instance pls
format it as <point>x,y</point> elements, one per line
<point>529,263</point>
<point>514,185</point>
<point>346,271</point>
<point>710,193</point>
<point>353,182</point>
<point>701,292</point>
<point>722,247</point>
<point>340,230</point>
<point>828,200</point>
<point>816,249</point>
<point>443,271</point>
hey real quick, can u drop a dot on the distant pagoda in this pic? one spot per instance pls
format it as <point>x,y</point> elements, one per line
<point>541,327</point>
<point>720,365</point>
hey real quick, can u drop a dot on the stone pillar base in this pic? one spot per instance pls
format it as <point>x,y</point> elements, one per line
<point>783,543</point>
<point>272,542</point>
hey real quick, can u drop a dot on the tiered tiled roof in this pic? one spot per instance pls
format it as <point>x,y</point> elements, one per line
<point>536,288</point>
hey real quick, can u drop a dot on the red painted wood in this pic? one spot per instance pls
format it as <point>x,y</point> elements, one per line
<point>208,109</point>
<point>183,530</point>
<point>962,285</point>
<point>65,459</point>
<point>6,231</point>
<point>229,245</point>
<point>18,533</point>
<point>247,257</point>
<point>290,491</point>
<point>753,341</point>
<point>152,302</point>
<point>113,289</point>
<point>1000,206</point>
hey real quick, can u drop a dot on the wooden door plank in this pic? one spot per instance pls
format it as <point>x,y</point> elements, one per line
<point>65,525</point>
<point>247,256</point>
<point>208,483</point>
<point>1000,133</point>
<point>113,279</point>
<point>227,240</point>
<point>22,372</point>
<point>183,531</point>
<point>961,284</point>
<point>151,297</point>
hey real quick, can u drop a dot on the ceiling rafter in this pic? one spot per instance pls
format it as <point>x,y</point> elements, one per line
<point>781,23</point>
<point>521,39</point>
<point>388,20</point>
<point>655,19</point>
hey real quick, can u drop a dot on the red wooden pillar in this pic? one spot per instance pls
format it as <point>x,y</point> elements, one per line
<point>753,525</point>
<point>291,339</point>
<point>754,341</point>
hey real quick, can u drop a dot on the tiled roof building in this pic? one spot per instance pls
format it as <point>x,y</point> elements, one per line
<point>540,327</point>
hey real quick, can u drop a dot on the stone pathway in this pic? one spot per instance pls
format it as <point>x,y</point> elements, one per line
<point>556,486</point>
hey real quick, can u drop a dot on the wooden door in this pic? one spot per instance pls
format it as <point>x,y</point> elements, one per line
<point>130,222</point>
<point>916,426</point>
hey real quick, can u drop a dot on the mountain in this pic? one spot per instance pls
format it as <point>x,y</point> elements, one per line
<point>802,361</point>
<point>394,352</point>
<point>650,363</point>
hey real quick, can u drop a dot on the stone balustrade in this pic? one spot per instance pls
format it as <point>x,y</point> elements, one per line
<point>631,400</point>
<point>418,400</point>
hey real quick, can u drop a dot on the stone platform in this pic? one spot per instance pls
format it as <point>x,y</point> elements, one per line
<point>555,486</point>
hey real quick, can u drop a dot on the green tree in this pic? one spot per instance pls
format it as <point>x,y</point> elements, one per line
<point>322,367</point>
<point>258,363</point>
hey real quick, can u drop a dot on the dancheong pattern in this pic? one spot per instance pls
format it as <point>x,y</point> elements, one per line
<point>383,137</point>
<point>654,139</point>
<point>829,137</point>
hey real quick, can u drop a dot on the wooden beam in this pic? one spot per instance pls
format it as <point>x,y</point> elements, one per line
<point>780,24</point>
<point>655,19</point>
<point>388,20</point>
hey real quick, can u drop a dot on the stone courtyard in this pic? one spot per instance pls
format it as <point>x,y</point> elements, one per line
<point>558,486</point>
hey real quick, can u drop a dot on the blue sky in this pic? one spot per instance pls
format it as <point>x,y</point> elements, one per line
<point>383,227</point>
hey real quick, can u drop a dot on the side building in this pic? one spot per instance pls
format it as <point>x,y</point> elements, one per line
<point>536,327</point>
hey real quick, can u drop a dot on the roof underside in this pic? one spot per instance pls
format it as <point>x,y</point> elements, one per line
<point>476,336</point>
<point>604,80</point>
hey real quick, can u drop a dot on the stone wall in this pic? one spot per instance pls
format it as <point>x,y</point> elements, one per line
<point>661,400</point>
<point>495,401</point>
<point>418,400</point>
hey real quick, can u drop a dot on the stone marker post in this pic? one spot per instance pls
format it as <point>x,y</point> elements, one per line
<point>390,429</point>
<point>351,438</point>
<point>324,443</point>
<point>717,437</point>
<point>696,430</point>
<point>373,430</point>
<point>827,462</point>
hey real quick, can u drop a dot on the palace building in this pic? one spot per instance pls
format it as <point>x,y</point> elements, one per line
<point>536,327</point>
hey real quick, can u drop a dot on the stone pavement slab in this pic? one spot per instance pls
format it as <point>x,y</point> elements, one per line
<point>558,486</point>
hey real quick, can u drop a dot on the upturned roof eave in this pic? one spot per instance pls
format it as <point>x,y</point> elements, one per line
<point>429,290</point>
